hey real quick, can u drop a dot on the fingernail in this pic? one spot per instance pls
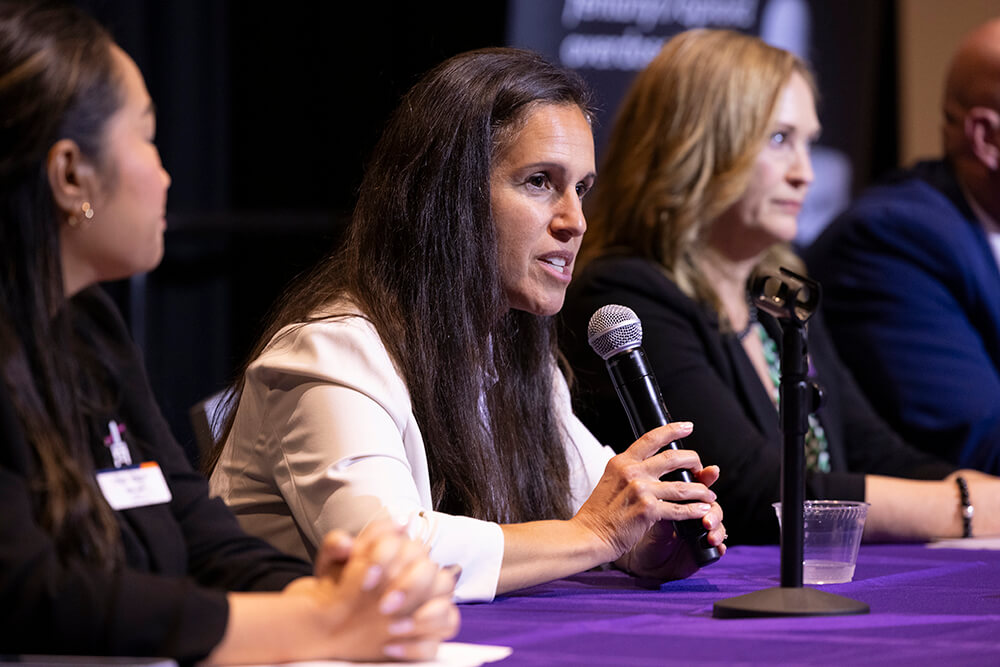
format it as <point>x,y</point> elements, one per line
<point>372,577</point>
<point>391,602</point>
<point>685,426</point>
<point>401,627</point>
<point>705,509</point>
<point>395,651</point>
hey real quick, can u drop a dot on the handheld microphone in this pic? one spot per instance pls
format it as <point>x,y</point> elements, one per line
<point>615,334</point>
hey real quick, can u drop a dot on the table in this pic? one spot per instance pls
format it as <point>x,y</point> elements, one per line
<point>928,606</point>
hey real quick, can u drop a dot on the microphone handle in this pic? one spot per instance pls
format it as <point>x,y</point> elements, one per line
<point>640,395</point>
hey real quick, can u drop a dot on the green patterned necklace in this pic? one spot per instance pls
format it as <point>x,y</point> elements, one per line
<point>817,454</point>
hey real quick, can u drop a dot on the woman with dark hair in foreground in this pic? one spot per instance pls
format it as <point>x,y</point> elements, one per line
<point>109,542</point>
<point>414,374</point>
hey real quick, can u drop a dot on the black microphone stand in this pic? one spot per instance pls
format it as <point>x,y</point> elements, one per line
<point>792,299</point>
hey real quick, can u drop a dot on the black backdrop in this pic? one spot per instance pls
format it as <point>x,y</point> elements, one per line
<point>267,112</point>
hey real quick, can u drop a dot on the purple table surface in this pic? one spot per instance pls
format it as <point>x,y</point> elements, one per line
<point>928,606</point>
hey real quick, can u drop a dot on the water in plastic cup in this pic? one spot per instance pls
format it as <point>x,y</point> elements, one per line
<point>830,540</point>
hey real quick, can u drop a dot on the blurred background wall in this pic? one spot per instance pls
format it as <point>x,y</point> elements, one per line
<point>267,112</point>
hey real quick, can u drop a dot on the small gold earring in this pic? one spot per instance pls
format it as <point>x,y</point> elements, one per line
<point>88,212</point>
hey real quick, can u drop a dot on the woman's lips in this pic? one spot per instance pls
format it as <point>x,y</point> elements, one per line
<point>789,205</point>
<point>558,264</point>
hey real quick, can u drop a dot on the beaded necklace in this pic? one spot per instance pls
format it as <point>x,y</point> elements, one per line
<point>817,447</point>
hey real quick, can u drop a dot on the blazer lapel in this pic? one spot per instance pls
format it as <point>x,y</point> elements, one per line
<point>752,393</point>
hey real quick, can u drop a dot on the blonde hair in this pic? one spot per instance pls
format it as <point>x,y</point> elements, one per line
<point>682,148</point>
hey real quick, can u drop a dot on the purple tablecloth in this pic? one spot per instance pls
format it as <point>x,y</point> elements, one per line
<point>928,606</point>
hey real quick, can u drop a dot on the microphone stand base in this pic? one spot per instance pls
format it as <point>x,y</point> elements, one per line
<point>780,601</point>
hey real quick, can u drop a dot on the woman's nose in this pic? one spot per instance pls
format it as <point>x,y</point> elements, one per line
<point>800,171</point>
<point>569,221</point>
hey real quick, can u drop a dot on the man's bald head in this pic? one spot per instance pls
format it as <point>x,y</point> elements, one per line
<point>971,129</point>
<point>974,74</point>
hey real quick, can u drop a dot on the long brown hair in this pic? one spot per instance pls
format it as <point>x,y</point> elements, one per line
<point>420,260</point>
<point>57,80</point>
<point>682,148</point>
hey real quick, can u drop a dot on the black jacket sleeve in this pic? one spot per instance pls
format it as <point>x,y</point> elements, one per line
<point>867,442</point>
<point>706,378</point>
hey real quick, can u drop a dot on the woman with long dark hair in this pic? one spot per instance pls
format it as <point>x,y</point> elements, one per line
<point>109,542</point>
<point>414,372</point>
<point>707,166</point>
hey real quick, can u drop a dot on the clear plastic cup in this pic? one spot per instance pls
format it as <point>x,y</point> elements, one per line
<point>830,540</point>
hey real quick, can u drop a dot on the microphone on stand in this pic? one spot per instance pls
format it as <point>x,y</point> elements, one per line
<point>615,334</point>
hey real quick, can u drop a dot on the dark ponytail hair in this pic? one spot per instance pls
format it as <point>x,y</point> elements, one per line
<point>420,260</point>
<point>57,80</point>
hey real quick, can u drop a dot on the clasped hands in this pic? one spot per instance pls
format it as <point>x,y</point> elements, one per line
<point>385,597</point>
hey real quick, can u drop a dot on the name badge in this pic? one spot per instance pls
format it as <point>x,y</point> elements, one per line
<point>134,486</point>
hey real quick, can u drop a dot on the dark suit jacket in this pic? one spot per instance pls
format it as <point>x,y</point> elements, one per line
<point>169,598</point>
<point>707,378</point>
<point>912,299</point>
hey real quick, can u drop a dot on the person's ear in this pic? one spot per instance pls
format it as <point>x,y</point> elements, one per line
<point>982,130</point>
<point>72,179</point>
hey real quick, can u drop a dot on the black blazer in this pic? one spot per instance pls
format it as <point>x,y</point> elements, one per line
<point>707,378</point>
<point>169,599</point>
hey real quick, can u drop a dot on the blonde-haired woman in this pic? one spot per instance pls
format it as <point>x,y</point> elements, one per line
<point>705,174</point>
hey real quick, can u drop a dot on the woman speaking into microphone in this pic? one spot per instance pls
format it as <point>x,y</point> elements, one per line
<point>413,374</point>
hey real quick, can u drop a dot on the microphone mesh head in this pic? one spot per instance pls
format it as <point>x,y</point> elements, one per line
<point>614,329</point>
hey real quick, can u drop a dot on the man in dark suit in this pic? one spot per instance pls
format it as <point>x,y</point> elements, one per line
<point>911,280</point>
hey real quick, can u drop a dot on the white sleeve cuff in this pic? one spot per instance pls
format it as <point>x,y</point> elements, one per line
<point>474,545</point>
